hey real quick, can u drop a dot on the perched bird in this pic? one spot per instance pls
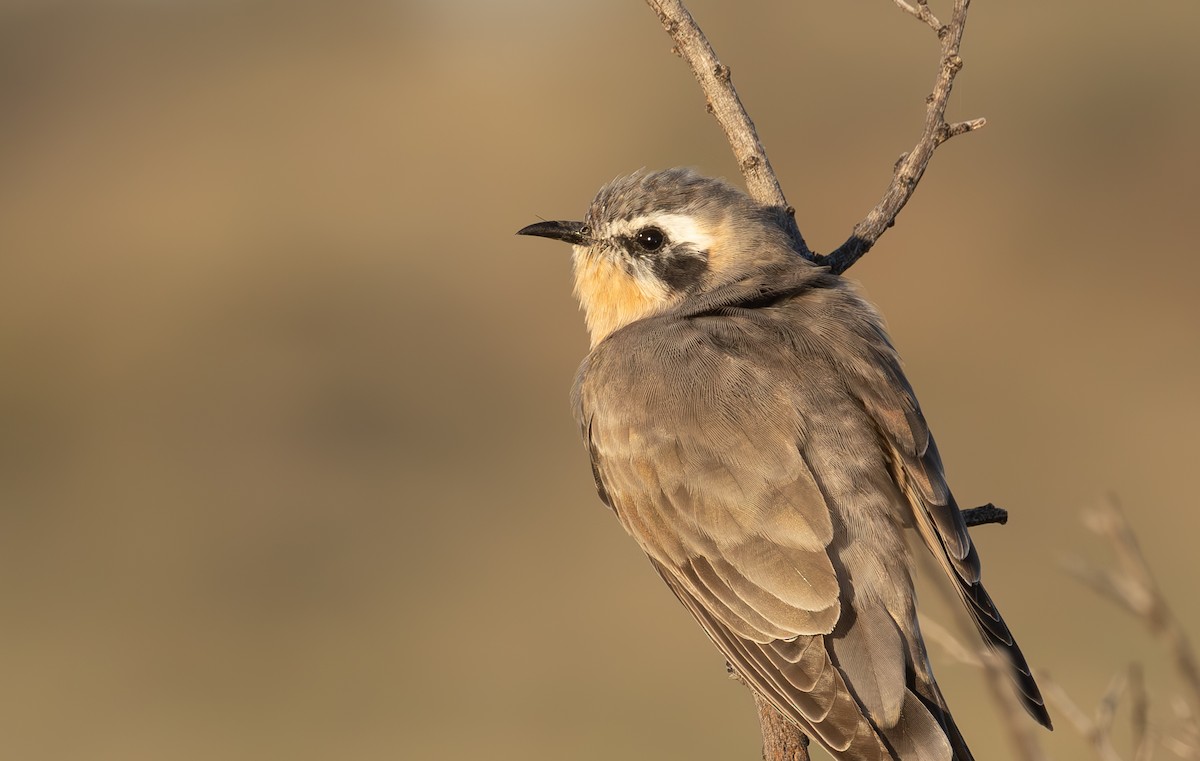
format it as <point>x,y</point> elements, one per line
<point>749,424</point>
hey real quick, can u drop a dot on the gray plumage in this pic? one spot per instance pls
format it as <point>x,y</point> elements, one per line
<point>750,426</point>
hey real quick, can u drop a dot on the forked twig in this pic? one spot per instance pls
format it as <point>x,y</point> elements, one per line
<point>911,167</point>
<point>761,181</point>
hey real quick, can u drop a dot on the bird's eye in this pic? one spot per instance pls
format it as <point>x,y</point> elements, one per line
<point>650,238</point>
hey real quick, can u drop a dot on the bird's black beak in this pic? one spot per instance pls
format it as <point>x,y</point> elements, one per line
<point>571,232</point>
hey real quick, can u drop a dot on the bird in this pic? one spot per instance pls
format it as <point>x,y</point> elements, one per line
<point>749,424</point>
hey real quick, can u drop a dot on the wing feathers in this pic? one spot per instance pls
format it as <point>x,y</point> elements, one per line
<point>917,736</point>
<point>872,655</point>
<point>698,422</point>
<point>725,605</point>
<point>805,580</point>
<point>818,699</point>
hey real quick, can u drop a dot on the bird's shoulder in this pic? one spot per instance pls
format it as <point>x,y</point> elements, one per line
<point>782,325</point>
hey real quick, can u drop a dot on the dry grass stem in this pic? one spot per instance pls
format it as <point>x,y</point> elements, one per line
<point>1186,742</point>
<point>1132,586</point>
<point>934,632</point>
<point>1094,730</point>
<point>1106,709</point>
<point>1139,719</point>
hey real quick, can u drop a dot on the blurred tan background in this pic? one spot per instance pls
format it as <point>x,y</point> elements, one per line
<point>287,468</point>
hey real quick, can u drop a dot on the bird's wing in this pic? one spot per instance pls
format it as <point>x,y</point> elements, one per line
<point>871,369</point>
<point>697,442</point>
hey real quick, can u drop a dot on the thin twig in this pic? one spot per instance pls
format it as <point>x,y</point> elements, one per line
<point>984,514</point>
<point>1106,709</point>
<point>1135,589</point>
<point>723,102</point>
<point>911,167</point>
<point>922,12</point>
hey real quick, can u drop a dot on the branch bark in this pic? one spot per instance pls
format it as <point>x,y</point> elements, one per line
<point>984,514</point>
<point>782,741</point>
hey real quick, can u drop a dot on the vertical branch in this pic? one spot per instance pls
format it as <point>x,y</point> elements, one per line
<point>723,102</point>
<point>782,741</point>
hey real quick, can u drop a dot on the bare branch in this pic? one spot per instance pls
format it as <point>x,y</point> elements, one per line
<point>782,741</point>
<point>911,167</point>
<point>723,102</point>
<point>761,181</point>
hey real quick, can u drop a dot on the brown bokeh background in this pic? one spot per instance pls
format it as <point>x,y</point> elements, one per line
<point>287,468</point>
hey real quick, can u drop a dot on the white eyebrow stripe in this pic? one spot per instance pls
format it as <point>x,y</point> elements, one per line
<point>680,228</point>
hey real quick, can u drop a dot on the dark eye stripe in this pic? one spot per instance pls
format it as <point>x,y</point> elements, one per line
<point>683,271</point>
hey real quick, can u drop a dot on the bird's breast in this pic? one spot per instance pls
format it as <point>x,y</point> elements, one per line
<point>612,297</point>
